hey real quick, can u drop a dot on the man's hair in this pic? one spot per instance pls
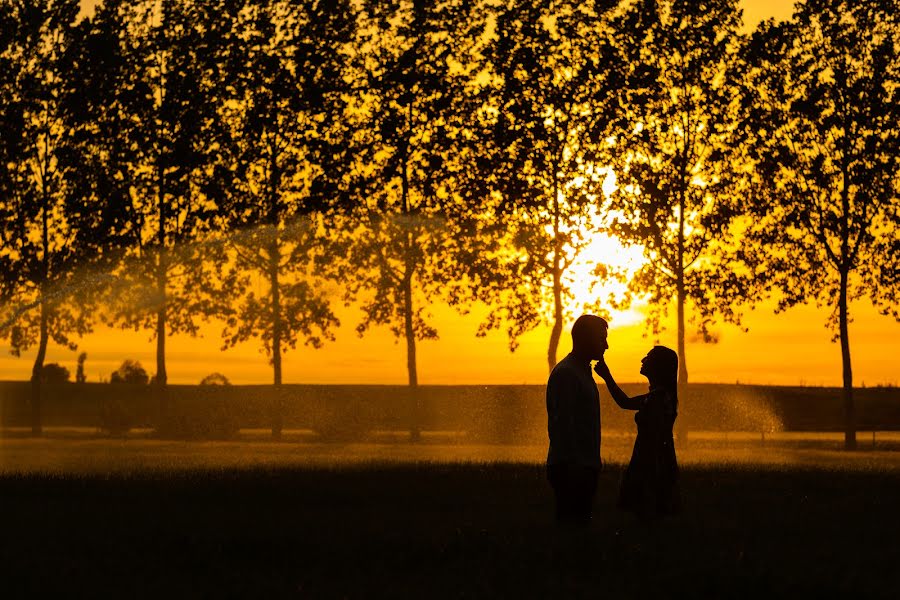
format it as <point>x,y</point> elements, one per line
<point>586,326</point>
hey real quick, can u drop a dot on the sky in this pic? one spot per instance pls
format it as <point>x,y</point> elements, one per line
<point>792,348</point>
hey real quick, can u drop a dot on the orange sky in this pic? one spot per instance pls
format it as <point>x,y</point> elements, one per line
<point>791,348</point>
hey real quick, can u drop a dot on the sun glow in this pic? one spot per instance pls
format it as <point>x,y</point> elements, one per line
<point>590,289</point>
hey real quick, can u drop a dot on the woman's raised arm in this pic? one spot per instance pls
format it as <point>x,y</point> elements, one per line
<point>615,391</point>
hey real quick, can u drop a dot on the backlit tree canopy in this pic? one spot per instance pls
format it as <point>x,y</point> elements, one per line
<point>165,162</point>
<point>675,159</point>
<point>822,123</point>
<point>551,83</point>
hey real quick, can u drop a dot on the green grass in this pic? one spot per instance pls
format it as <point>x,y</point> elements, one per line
<point>427,530</point>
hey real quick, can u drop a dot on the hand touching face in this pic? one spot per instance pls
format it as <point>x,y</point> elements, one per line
<point>602,369</point>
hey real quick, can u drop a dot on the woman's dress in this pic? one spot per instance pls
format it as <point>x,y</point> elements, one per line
<point>650,483</point>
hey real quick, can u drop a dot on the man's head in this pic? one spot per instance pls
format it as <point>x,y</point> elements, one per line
<point>589,337</point>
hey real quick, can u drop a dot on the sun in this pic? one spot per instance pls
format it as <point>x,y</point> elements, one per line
<point>606,250</point>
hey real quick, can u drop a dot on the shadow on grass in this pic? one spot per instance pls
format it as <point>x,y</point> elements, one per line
<point>443,531</point>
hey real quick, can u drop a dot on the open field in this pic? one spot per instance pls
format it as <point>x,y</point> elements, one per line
<point>146,518</point>
<point>72,451</point>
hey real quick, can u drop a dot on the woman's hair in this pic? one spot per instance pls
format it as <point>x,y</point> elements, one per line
<point>666,370</point>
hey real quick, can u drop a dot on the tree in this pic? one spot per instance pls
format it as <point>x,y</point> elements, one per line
<point>43,223</point>
<point>11,139</point>
<point>822,125</point>
<point>675,153</point>
<point>167,60</point>
<point>551,83</point>
<point>408,240</point>
<point>80,376</point>
<point>54,373</point>
<point>215,379</point>
<point>130,372</point>
<point>286,151</point>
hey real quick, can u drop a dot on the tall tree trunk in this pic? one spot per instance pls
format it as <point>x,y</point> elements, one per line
<point>849,409</point>
<point>682,363</point>
<point>556,331</point>
<point>408,262</point>
<point>162,266</point>
<point>36,371</point>
<point>274,220</point>
<point>409,331</point>
<point>162,378</point>
<point>275,291</point>
<point>681,430</point>
<point>414,430</point>
<point>680,293</point>
<point>409,269</point>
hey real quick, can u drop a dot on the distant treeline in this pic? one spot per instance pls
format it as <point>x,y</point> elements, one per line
<point>494,413</point>
<point>252,162</point>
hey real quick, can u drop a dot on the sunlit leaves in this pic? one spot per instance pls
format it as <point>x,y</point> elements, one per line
<point>676,161</point>
<point>402,237</point>
<point>287,155</point>
<point>822,114</point>
<point>42,223</point>
<point>551,83</point>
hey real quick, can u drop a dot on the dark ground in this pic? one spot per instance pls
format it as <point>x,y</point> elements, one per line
<point>433,530</point>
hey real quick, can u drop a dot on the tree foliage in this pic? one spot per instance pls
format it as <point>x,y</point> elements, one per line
<point>286,157</point>
<point>400,248</point>
<point>54,373</point>
<point>550,82</point>
<point>44,226</point>
<point>822,122</point>
<point>131,372</point>
<point>676,164</point>
<point>164,70</point>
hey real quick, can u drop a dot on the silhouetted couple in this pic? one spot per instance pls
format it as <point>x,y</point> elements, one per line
<point>649,486</point>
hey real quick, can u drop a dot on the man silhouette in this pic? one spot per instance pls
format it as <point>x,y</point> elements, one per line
<point>573,423</point>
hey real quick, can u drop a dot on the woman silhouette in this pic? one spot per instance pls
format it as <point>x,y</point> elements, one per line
<point>650,484</point>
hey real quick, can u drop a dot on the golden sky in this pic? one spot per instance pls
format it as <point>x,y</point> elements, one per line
<point>792,348</point>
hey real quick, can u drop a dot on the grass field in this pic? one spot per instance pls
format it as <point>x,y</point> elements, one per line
<point>153,519</point>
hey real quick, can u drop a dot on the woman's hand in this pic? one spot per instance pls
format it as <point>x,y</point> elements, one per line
<point>602,369</point>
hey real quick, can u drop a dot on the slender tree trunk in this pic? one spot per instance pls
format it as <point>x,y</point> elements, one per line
<point>556,331</point>
<point>849,409</point>
<point>409,331</point>
<point>162,266</point>
<point>680,298</point>
<point>162,377</point>
<point>414,431</point>
<point>682,430</point>
<point>682,363</point>
<point>275,290</point>
<point>36,371</point>
<point>409,269</point>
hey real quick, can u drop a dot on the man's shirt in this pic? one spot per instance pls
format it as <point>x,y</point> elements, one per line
<point>573,414</point>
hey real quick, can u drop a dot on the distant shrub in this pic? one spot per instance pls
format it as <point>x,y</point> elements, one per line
<point>54,373</point>
<point>131,371</point>
<point>215,379</point>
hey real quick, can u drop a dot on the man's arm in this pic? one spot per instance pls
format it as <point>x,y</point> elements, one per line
<point>620,397</point>
<point>562,388</point>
